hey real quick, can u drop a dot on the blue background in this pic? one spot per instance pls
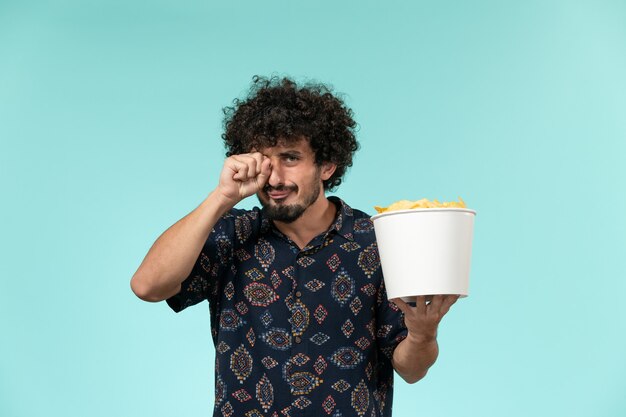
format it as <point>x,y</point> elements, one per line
<point>110,123</point>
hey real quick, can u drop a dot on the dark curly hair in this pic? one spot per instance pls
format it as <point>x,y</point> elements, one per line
<point>278,109</point>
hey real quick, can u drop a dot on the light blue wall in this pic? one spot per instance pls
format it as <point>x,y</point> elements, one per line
<point>110,117</point>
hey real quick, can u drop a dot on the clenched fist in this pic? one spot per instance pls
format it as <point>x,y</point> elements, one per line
<point>243,175</point>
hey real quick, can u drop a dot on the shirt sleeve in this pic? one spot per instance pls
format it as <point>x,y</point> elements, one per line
<point>204,280</point>
<point>390,327</point>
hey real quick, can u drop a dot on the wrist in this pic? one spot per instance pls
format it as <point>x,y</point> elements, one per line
<point>220,201</point>
<point>421,338</point>
<point>212,208</point>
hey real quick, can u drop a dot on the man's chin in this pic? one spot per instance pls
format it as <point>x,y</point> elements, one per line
<point>283,212</point>
<point>281,202</point>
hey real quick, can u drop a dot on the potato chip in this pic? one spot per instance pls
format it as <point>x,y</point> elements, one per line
<point>423,203</point>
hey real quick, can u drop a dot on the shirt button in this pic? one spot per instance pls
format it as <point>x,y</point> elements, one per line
<point>298,294</point>
<point>298,339</point>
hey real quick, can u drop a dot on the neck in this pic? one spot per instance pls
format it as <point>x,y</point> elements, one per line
<point>316,219</point>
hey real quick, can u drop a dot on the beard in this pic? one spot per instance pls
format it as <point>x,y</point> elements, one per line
<point>288,213</point>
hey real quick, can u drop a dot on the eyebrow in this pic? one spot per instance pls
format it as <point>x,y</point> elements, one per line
<point>290,153</point>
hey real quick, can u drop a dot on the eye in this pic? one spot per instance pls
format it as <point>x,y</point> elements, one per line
<point>291,158</point>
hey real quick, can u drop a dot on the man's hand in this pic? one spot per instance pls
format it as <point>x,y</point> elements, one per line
<point>418,352</point>
<point>171,258</point>
<point>243,175</point>
<point>423,319</point>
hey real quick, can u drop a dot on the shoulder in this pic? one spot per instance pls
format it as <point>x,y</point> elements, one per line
<point>356,223</point>
<point>362,223</point>
<point>236,214</point>
<point>240,225</point>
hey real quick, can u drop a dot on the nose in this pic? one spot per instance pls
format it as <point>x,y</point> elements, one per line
<point>276,175</point>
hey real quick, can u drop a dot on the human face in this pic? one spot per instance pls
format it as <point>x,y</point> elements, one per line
<point>295,183</point>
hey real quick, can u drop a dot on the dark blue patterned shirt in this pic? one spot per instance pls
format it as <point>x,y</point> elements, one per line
<point>297,332</point>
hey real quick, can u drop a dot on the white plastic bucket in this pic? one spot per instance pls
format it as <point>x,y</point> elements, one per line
<point>425,251</point>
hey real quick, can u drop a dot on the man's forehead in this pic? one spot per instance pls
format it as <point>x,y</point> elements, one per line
<point>284,146</point>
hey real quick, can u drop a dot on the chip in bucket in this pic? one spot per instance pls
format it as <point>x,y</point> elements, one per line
<point>423,203</point>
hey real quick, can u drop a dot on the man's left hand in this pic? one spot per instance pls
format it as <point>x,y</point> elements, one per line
<point>423,319</point>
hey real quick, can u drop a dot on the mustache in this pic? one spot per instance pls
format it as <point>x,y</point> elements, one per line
<point>280,188</point>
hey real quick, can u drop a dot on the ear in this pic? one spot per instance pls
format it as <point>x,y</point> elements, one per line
<point>328,169</point>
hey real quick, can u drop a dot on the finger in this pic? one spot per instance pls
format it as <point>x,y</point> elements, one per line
<point>447,303</point>
<point>248,167</point>
<point>258,158</point>
<point>253,161</point>
<point>264,173</point>
<point>240,169</point>
<point>420,303</point>
<point>435,304</point>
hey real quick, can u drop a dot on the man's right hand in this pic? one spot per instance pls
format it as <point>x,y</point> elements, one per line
<point>243,175</point>
<point>171,258</point>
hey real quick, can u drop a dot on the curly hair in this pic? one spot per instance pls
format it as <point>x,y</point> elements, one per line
<point>278,109</point>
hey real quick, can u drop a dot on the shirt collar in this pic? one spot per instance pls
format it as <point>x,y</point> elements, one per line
<point>344,220</point>
<point>342,225</point>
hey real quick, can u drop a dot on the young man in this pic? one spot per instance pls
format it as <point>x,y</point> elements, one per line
<point>299,315</point>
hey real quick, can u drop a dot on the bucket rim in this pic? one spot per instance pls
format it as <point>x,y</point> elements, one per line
<point>424,210</point>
